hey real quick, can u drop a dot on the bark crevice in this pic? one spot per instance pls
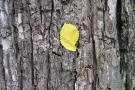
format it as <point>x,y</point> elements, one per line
<point>32,61</point>
<point>49,51</point>
<point>21,76</point>
<point>124,28</point>
<point>3,70</point>
<point>48,78</point>
<point>94,66</point>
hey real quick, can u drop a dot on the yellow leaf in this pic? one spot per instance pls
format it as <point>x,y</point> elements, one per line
<point>69,35</point>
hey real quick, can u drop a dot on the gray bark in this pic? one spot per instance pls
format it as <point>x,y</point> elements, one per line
<point>32,58</point>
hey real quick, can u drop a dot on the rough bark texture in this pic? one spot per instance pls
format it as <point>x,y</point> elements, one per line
<point>32,58</point>
<point>127,43</point>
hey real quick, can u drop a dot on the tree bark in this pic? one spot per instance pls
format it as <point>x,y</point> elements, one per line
<point>127,43</point>
<point>32,57</point>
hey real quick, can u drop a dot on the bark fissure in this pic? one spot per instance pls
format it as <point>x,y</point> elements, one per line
<point>56,53</point>
<point>31,43</point>
<point>21,76</point>
<point>125,25</point>
<point>94,65</point>
<point>119,24</point>
<point>14,29</point>
<point>51,18</point>
<point>9,70</point>
<point>3,81</point>
<point>49,50</point>
<point>104,18</point>
<point>75,79</point>
<point>48,78</point>
<point>103,31</point>
<point>32,60</point>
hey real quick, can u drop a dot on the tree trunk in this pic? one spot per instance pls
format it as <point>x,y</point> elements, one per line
<point>32,57</point>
